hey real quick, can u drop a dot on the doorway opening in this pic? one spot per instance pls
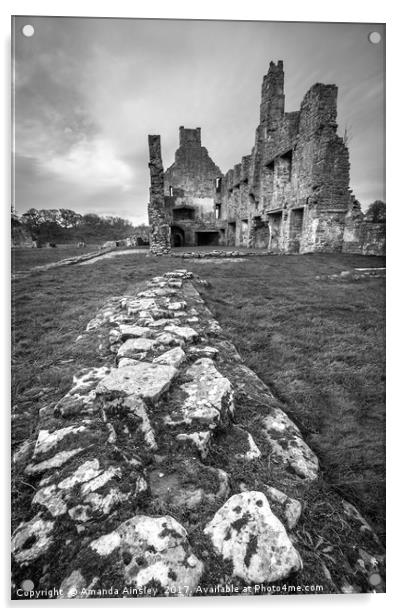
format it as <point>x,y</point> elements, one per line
<point>207,238</point>
<point>231,234</point>
<point>275,227</point>
<point>296,229</point>
<point>176,237</point>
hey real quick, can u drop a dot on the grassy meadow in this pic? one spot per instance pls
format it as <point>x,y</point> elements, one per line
<point>319,344</point>
<point>26,258</point>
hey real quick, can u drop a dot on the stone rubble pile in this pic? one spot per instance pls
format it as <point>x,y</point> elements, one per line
<point>357,273</point>
<point>129,489</point>
<point>225,254</point>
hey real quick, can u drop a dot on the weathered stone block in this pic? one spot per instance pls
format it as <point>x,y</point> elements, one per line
<point>208,397</point>
<point>246,532</point>
<point>148,381</point>
<point>151,550</point>
<point>288,445</point>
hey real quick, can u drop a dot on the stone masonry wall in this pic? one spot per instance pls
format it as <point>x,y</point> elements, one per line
<point>159,237</point>
<point>290,194</point>
<point>189,188</point>
<point>193,172</point>
<point>298,163</point>
<point>362,235</point>
<point>170,469</point>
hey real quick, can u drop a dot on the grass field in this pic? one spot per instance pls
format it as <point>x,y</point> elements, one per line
<point>25,258</point>
<point>318,344</point>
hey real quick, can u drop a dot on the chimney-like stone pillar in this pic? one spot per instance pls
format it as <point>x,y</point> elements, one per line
<point>272,105</point>
<point>159,242</point>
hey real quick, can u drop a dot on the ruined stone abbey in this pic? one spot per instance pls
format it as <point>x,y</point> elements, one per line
<point>290,195</point>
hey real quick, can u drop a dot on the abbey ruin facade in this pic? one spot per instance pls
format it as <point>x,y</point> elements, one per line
<point>290,194</point>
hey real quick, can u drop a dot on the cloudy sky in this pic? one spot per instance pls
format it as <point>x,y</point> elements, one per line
<point>89,91</point>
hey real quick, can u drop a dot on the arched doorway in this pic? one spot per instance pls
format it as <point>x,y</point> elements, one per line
<point>176,236</point>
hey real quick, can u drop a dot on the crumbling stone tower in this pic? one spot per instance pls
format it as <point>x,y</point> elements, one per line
<point>272,105</point>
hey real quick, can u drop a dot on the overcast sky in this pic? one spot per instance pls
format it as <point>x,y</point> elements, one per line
<point>89,91</point>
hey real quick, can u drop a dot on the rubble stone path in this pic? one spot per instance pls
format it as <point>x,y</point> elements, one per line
<point>171,466</point>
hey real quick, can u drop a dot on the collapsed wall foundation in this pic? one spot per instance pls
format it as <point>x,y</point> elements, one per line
<point>170,469</point>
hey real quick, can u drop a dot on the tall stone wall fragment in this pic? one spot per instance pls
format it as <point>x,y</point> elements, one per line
<point>160,229</point>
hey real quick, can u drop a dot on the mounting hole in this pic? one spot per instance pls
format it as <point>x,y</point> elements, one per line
<point>27,585</point>
<point>28,30</point>
<point>375,579</point>
<point>374,37</point>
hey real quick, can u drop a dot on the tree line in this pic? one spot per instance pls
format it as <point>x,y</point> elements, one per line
<point>376,212</point>
<point>67,226</point>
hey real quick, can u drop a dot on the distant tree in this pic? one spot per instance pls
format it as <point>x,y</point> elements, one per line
<point>376,211</point>
<point>31,219</point>
<point>69,219</point>
<point>91,219</point>
<point>143,227</point>
<point>49,216</point>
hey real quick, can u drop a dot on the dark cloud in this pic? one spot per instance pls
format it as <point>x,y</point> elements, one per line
<point>88,92</point>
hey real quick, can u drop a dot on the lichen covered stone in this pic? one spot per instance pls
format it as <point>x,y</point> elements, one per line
<point>208,396</point>
<point>246,532</point>
<point>151,550</point>
<point>288,445</point>
<point>149,381</point>
<point>174,357</point>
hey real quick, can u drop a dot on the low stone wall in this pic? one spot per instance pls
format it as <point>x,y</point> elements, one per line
<point>221,254</point>
<point>364,236</point>
<point>358,273</point>
<point>169,468</point>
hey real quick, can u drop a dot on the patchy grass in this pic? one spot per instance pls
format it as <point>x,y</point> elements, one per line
<point>318,344</point>
<point>26,258</point>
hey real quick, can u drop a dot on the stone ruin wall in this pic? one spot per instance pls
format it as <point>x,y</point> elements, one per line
<point>363,235</point>
<point>170,467</point>
<point>159,235</point>
<point>190,188</point>
<point>290,194</point>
